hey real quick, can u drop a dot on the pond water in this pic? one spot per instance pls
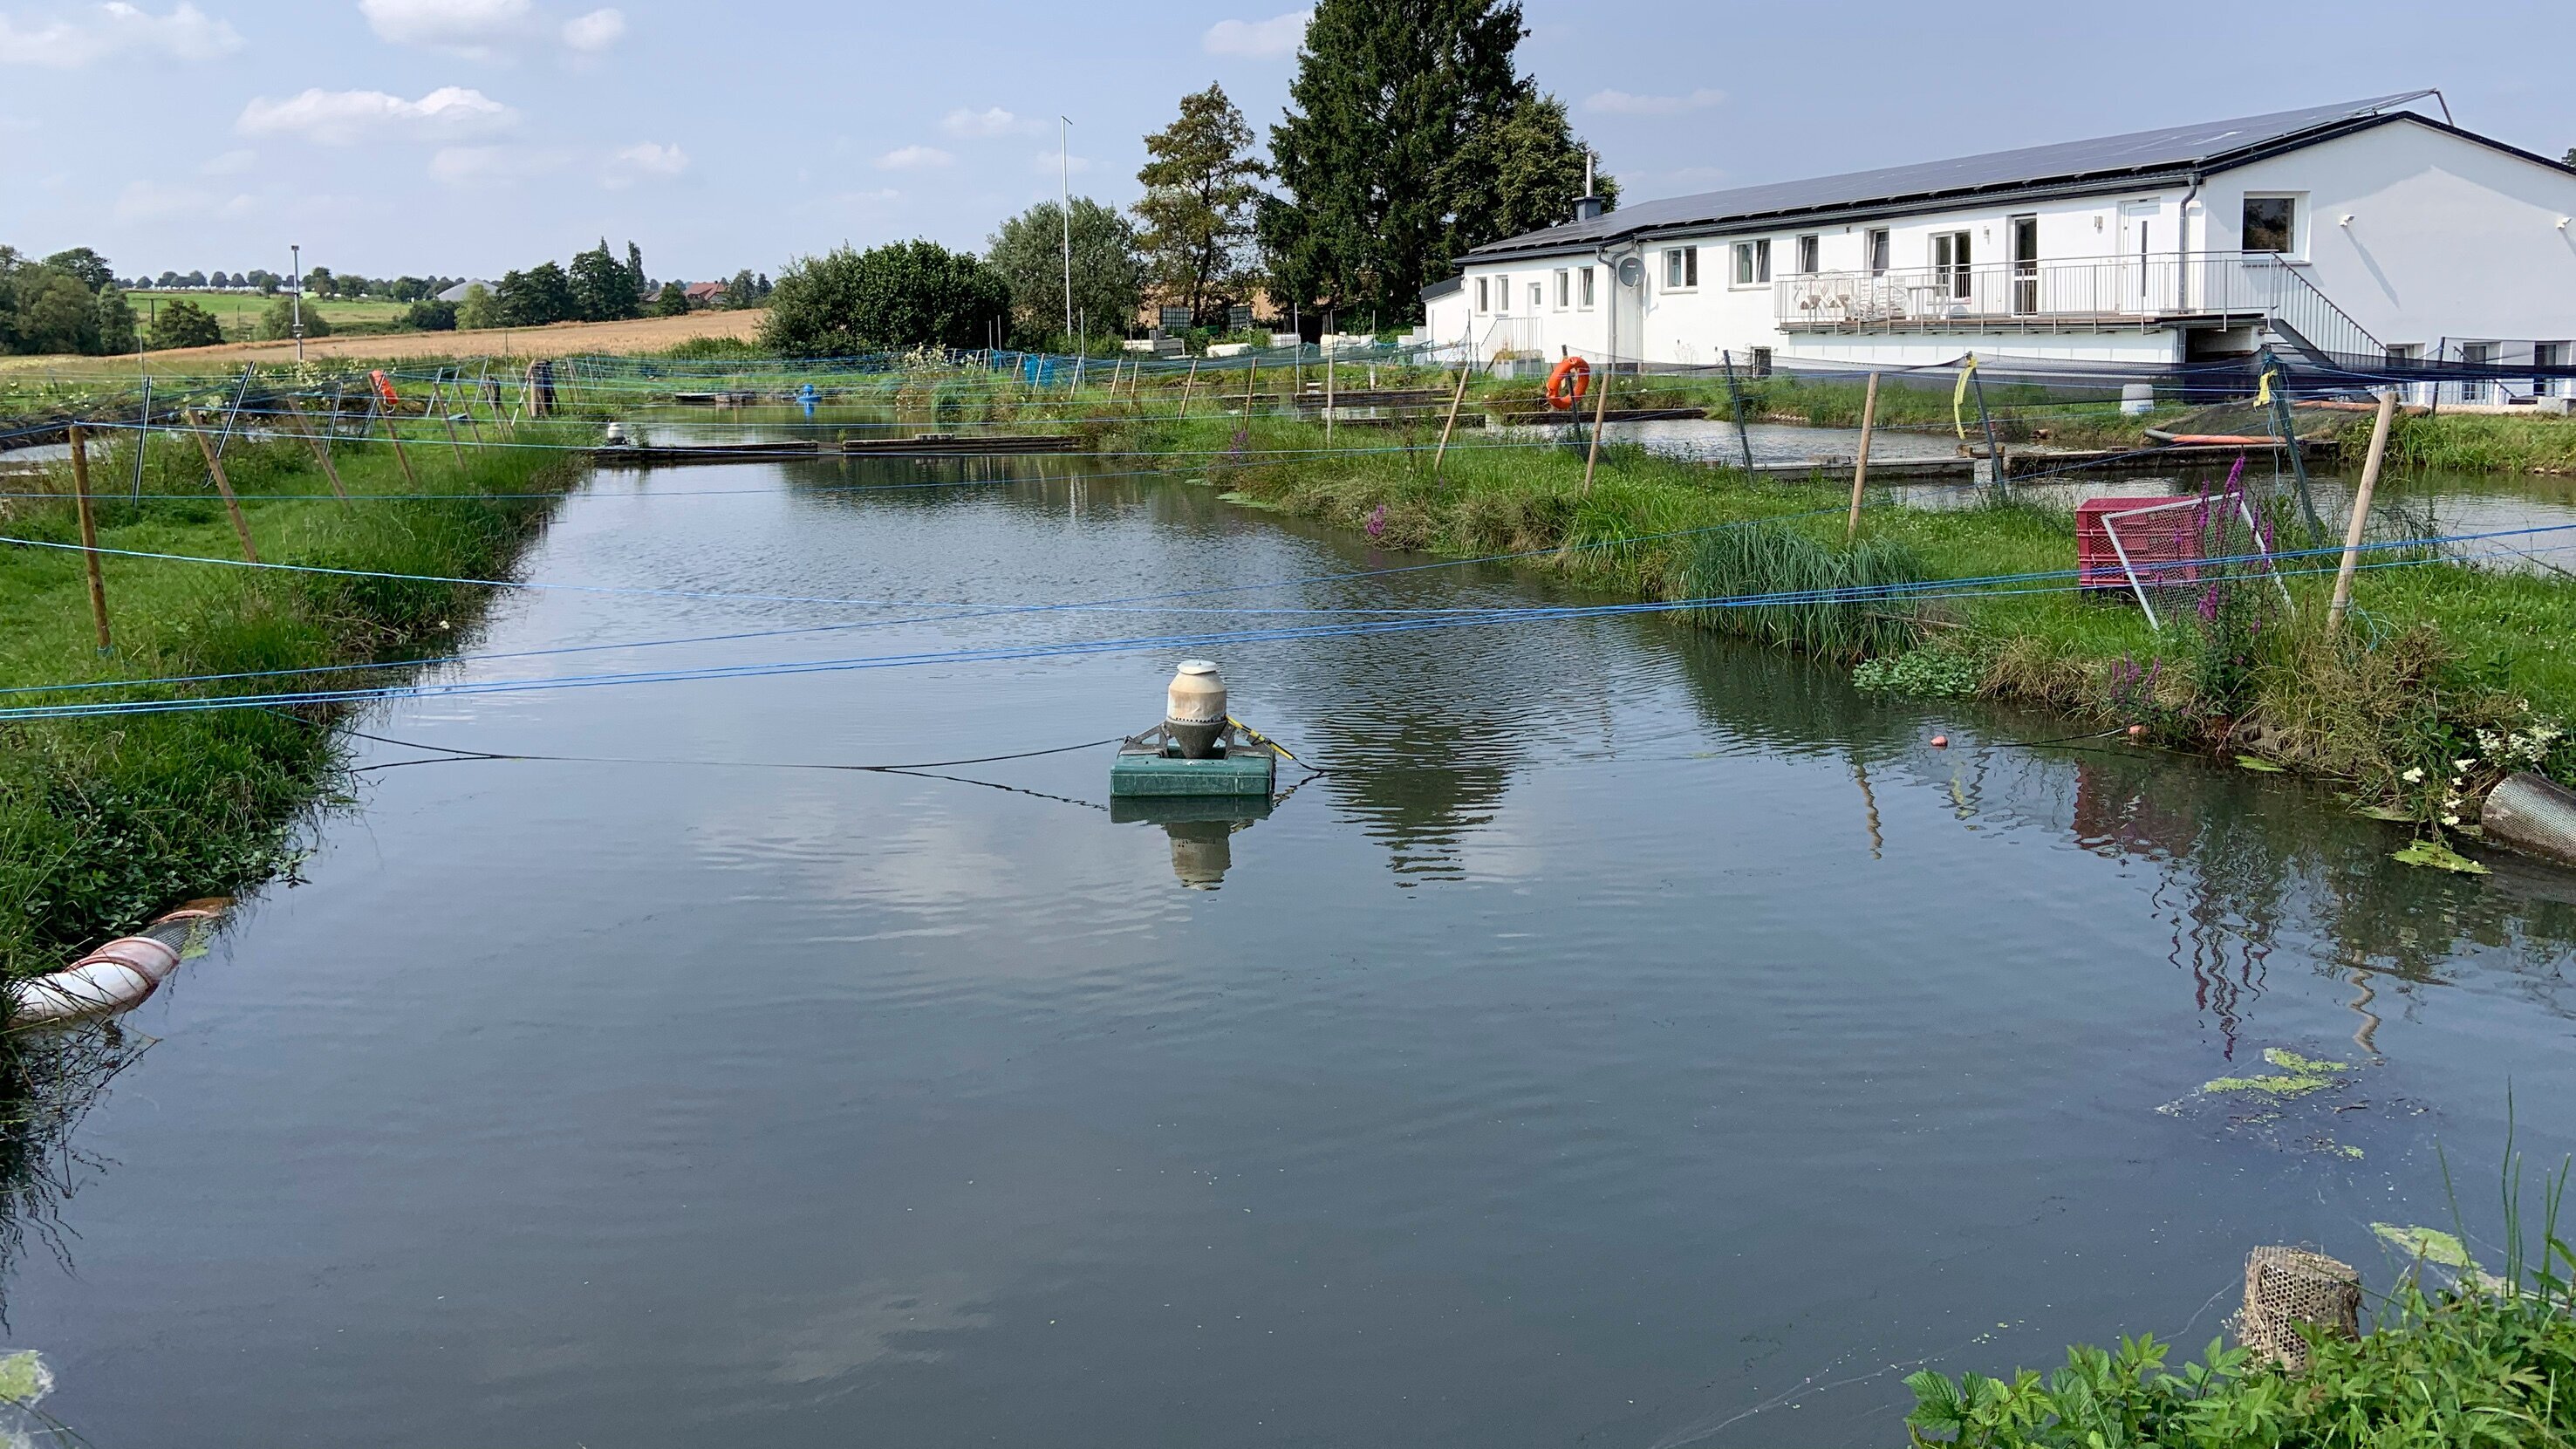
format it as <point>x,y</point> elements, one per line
<point>1631,1039</point>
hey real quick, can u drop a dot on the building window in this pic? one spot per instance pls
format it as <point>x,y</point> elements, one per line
<point>1950,262</point>
<point>1681,268</point>
<point>1875,243</point>
<point>1484,302</point>
<point>1753,262</point>
<point>2272,224</point>
<point>1537,296</point>
<point>1807,256</point>
<point>1585,291</point>
<point>2550,354</point>
<point>1503,296</point>
<point>1762,362</point>
<point>1564,289</point>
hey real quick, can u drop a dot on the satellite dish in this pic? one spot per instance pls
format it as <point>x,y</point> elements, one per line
<point>1631,271</point>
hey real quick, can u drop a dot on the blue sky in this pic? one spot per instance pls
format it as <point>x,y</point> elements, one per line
<point>466,136</point>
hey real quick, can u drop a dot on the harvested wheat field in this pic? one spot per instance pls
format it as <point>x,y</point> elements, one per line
<point>643,334</point>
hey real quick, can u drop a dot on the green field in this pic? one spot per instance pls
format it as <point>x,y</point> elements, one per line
<point>239,312</point>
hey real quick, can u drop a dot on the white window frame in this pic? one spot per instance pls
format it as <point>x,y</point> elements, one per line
<point>1584,294</point>
<point>1681,269</point>
<point>1537,298</point>
<point>1752,264</point>
<point>1811,248</point>
<point>1484,297</point>
<point>1956,277</point>
<point>1502,294</point>
<point>1877,250</point>
<point>1564,289</point>
<point>2297,251</point>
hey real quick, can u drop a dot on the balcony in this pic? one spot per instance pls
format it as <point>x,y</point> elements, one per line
<point>2093,294</point>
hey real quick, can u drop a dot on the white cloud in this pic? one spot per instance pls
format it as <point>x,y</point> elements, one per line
<point>488,29</point>
<point>649,161</point>
<point>984,124</point>
<point>1258,39</point>
<point>913,158</point>
<point>231,163</point>
<point>342,118</point>
<point>465,27</point>
<point>186,33</point>
<point>596,31</point>
<point>1627,103</point>
<point>1051,163</point>
<point>466,166</point>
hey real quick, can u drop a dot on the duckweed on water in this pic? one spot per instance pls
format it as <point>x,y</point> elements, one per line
<point>2434,855</point>
<point>2298,1076</point>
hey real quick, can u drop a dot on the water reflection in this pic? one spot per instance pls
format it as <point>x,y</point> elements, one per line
<point>1202,830</point>
<point>49,1081</point>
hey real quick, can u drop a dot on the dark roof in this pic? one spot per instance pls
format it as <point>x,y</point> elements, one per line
<point>2109,160</point>
<point>1444,287</point>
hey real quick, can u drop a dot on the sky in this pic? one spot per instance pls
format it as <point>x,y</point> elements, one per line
<point>465,137</point>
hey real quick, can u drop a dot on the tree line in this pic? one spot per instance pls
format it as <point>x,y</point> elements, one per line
<point>1410,138</point>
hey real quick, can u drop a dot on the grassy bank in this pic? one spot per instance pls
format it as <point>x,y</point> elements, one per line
<point>104,822</point>
<point>2441,652</point>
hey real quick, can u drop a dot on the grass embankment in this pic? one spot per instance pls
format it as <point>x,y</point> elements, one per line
<point>2441,651</point>
<point>107,821</point>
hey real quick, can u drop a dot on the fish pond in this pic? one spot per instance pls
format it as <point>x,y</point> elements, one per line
<point>1623,1037</point>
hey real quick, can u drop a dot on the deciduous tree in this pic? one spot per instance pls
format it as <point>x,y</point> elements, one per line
<point>1201,188</point>
<point>901,295</point>
<point>1108,275</point>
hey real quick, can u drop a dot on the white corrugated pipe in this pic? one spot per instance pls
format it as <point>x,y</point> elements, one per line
<point>116,977</point>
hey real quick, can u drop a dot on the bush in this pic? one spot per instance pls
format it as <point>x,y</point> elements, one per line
<point>673,301</point>
<point>278,321</point>
<point>1805,577</point>
<point>889,298</point>
<point>431,316</point>
<point>1924,674</point>
<point>479,309</point>
<point>183,323</point>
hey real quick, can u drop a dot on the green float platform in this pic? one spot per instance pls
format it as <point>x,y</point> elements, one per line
<point>1150,766</point>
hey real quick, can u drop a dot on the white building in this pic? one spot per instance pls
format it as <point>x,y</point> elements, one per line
<point>2354,231</point>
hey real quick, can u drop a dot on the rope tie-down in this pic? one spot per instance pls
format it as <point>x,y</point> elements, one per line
<point>116,977</point>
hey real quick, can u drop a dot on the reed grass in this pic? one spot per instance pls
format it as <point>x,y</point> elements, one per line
<point>105,822</point>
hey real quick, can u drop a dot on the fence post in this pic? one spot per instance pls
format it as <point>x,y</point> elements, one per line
<point>143,439</point>
<point>2287,429</point>
<point>1187,388</point>
<point>1995,460</point>
<point>1860,470</point>
<point>1600,412</point>
<point>224,486</point>
<point>321,454</point>
<point>1735,396</point>
<point>393,435</point>
<point>2361,507</point>
<point>1450,426</point>
<point>89,538</point>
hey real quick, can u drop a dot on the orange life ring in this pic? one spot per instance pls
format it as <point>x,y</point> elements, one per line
<point>1562,394</point>
<point>385,388</point>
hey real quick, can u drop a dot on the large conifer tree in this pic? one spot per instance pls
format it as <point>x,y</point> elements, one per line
<point>1393,99</point>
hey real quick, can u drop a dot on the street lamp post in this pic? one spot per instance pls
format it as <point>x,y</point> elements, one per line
<point>295,299</point>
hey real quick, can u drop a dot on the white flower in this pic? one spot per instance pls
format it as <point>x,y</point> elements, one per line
<point>2450,819</point>
<point>2414,776</point>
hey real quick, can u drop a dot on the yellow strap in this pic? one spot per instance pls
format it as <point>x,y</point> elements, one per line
<point>1959,398</point>
<point>1258,738</point>
<point>2263,391</point>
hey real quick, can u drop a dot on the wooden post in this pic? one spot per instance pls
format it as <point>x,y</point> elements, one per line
<point>393,435</point>
<point>1450,426</point>
<point>1997,465</point>
<point>1249,373</point>
<point>89,538</point>
<point>1860,465</point>
<point>1328,395</point>
<point>1600,414</point>
<point>2361,507</point>
<point>224,486</point>
<point>321,454</point>
<point>1187,388</point>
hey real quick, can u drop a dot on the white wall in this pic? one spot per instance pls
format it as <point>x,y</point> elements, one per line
<point>2448,237</point>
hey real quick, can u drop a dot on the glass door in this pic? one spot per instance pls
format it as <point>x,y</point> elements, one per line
<point>2024,231</point>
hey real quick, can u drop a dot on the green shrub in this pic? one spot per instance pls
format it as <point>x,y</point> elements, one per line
<point>1777,562</point>
<point>1923,673</point>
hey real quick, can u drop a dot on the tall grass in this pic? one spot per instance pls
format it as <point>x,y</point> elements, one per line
<point>106,821</point>
<point>1772,560</point>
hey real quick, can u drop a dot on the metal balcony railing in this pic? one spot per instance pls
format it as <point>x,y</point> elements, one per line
<point>2238,287</point>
